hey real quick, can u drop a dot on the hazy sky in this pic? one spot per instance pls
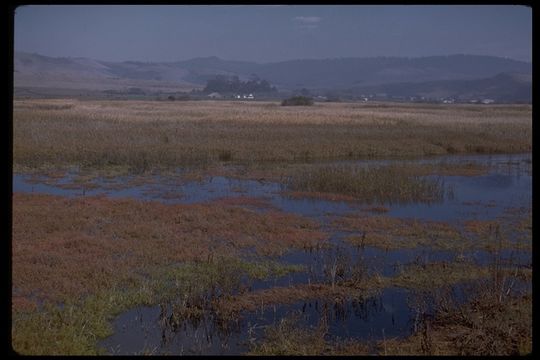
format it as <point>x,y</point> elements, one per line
<point>272,33</point>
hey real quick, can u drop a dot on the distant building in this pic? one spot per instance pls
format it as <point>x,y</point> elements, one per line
<point>215,95</point>
<point>488,101</point>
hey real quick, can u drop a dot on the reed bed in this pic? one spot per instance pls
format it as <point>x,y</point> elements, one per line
<point>144,135</point>
<point>489,323</point>
<point>382,185</point>
<point>494,319</point>
<point>289,337</point>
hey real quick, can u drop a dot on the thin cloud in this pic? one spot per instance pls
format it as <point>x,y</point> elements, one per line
<point>308,20</point>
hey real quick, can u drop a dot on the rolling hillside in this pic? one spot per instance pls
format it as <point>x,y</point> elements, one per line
<point>454,75</point>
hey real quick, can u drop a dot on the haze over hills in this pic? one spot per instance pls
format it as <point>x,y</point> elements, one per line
<point>504,87</point>
<point>453,75</point>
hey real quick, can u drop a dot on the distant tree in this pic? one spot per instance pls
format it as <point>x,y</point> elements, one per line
<point>171,97</point>
<point>232,84</point>
<point>297,101</point>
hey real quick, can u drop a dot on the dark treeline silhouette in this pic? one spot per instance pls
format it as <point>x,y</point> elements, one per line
<point>232,84</point>
<point>297,101</point>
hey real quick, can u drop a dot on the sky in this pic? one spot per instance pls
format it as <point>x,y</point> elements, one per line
<point>272,33</point>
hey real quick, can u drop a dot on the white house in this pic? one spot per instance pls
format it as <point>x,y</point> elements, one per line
<point>215,95</point>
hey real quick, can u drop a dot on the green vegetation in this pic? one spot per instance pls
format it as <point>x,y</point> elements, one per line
<point>75,328</point>
<point>288,337</point>
<point>434,275</point>
<point>98,257</point>
<point>232,84</point>
<point>386,184</point>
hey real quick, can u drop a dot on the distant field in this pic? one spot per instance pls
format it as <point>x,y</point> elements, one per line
<point>144,135</point>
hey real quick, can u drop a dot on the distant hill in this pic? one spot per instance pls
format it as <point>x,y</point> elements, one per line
<point>504,87</point>
<point>37,71</point>
<point>33,70</point>
<point>372,71</point>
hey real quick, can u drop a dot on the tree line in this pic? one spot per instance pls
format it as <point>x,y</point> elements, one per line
<point>232,84</point>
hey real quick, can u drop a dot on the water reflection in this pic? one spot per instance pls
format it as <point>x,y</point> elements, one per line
<point>509,184</point>
<point>151,329</point>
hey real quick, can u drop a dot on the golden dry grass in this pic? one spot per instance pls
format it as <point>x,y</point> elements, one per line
<point>142,135</point>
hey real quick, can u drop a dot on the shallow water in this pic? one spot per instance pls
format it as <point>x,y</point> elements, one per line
<point>507,185</point>
<point>140,329</point>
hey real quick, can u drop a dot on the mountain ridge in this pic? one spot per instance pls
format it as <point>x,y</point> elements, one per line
<point>315,74</point>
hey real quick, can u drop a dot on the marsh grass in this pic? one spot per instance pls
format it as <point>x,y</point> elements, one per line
<point>492,319</point>
<point>68,247</point>
<point>382,185</point>
<point>231,306</point>
<point>76,326</point>
<point>280,172</point>
<point>485,324</point>
<point>290,336</point>
<point>173,255</point>
<point>99,256</point>
<point>144,135</point>
<point>510,231</point>
<point>437,274</point>
<point>495,318</point>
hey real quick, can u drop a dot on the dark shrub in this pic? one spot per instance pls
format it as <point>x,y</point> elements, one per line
<point>297,101</point>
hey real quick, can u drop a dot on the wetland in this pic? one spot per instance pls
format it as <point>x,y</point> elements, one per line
<point>215,228</point>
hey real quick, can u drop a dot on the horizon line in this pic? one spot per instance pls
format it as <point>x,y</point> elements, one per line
<point>272,62</point>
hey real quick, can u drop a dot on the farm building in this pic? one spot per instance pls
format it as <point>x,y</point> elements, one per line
<point>215,95</point>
